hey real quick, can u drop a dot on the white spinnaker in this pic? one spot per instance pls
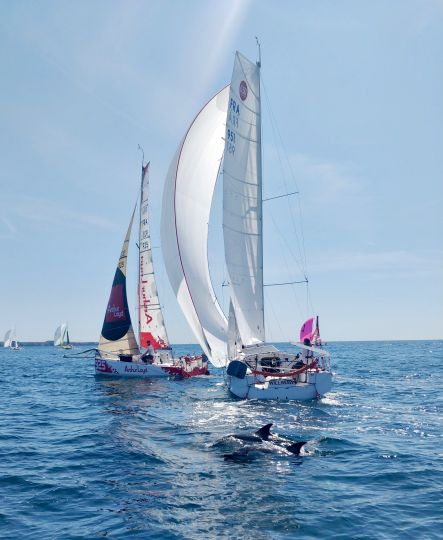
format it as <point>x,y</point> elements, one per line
<point>60,335</point>
<point>242,201</point>
<point>8,338</point>
<point>151,324</point>
<point>187,199</point>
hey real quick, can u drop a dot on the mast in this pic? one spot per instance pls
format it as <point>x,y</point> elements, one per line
<point>260,185</point>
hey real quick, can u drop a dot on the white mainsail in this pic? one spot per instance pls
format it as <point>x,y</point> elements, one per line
<point>9,337</point>
<point>242,201</point>
<point>117,335</point>
<point>151,324</point>
<point>187,199</point>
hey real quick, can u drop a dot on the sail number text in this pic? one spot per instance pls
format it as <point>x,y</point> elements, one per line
<point>233,116</point>
<point>230,141</point>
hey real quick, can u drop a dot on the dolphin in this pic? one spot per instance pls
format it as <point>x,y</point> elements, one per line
<point>258,437</point>
<point>246,453</point>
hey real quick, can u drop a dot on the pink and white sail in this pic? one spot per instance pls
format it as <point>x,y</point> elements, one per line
<point>151,323</point>
<point>311,330</point>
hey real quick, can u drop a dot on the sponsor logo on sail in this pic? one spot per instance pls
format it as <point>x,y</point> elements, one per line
<point>243,90</point>
<point>115,310</point>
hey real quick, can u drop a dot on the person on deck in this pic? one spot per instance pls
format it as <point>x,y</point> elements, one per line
<point>148,356</point>
<point>307,355</point>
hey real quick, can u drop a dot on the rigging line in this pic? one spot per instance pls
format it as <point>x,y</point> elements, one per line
<point>297,260</point>
<point>300,258</point>
<point>301,244</point>
<point>284,283</point>
<point>275,318</point>
<point>280,196</point>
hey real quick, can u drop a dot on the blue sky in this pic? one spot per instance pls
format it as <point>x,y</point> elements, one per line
<point>354,90</point>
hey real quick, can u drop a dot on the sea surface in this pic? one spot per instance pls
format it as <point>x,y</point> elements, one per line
<point>89,457</point>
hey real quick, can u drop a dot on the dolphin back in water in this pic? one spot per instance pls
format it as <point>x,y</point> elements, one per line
<point>249,452</point>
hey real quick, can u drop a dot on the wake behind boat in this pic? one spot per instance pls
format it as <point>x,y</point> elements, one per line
<point>118,352</point>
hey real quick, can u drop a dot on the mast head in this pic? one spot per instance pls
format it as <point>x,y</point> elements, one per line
<point>259,52</point>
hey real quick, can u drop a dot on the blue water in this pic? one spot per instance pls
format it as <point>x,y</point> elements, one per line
<point>84,457</point>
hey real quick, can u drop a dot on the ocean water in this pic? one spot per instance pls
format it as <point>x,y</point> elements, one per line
<point>88,457</point>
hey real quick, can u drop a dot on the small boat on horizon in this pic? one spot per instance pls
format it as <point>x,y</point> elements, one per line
<point>10,340</point>
<point>118,352</point>
<point>61,337</point>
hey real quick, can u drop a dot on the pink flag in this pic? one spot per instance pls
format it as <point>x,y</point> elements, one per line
<point>306,329</point>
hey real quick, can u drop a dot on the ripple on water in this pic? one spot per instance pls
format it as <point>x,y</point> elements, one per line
<point>84,457</point>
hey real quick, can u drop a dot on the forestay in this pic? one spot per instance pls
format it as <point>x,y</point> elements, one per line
<point>242,201</point>
<point>151,323</point>
<point>187,199</point>
<point>117,334</point>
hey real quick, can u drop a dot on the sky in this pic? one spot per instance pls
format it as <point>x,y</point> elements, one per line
<point>352,119</point>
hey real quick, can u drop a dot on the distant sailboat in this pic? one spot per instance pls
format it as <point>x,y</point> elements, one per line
<point>61,337</point>
<point>10,340</point>
<point>118,351</point>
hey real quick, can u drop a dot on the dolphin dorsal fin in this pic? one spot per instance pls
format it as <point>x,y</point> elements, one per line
<point>296,447</point>
<point>264,432</point>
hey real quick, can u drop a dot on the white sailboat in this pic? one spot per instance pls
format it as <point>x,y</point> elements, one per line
<point>10,340</point>
<point>61,337</point>
<point>227,133</point>
<point>118,352</point>
<point>256,369</point>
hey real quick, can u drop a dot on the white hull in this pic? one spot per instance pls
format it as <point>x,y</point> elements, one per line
<point>188,367</point>
<point>105,366</point>
<point>251,387</point>
<point>264,372</point>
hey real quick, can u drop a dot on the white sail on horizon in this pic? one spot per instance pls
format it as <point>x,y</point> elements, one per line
<point>8,339</point>
<point>59,335</point>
